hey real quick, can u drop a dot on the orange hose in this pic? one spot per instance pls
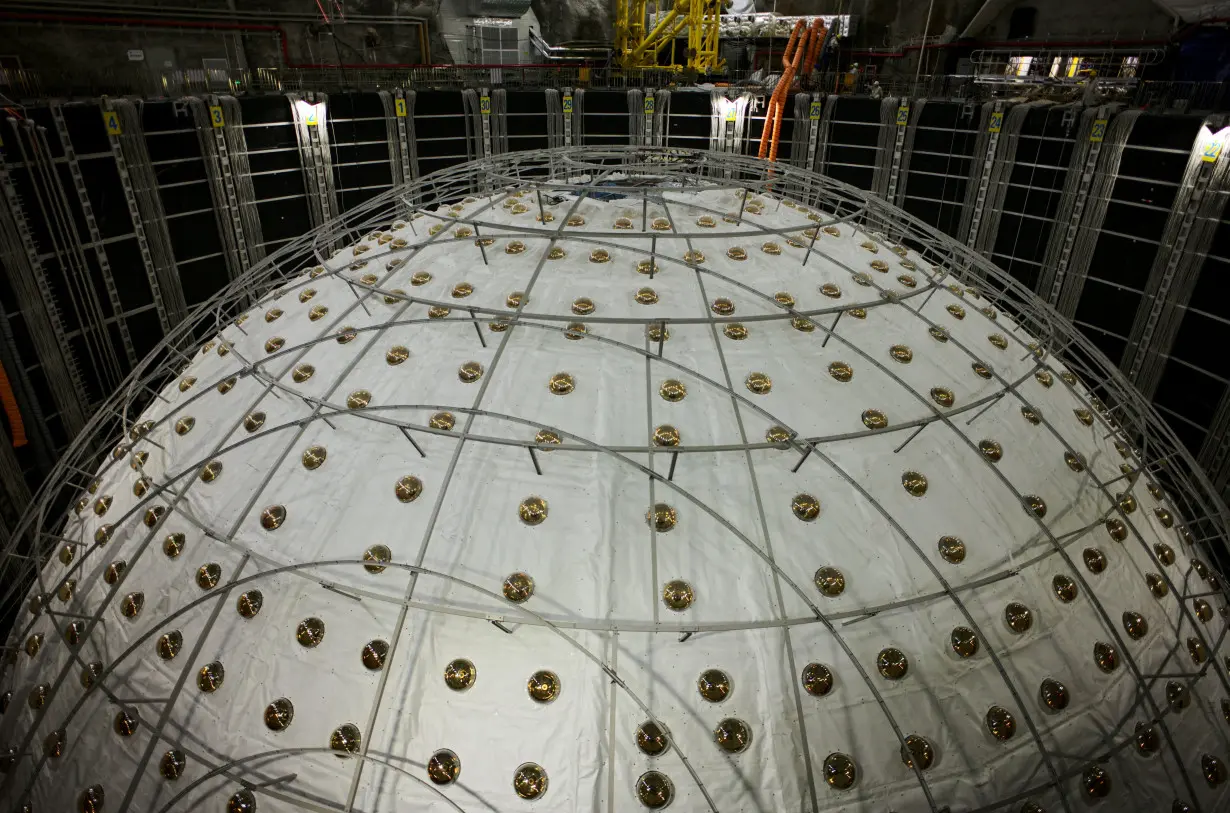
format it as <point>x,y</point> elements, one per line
<point>774,100</point>
<point>16,426</point>
<point>818,32</point>
<point>801,53</point>
<point>795,57</point>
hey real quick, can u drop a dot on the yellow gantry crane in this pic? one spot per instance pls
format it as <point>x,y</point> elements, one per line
<point>640,47</point>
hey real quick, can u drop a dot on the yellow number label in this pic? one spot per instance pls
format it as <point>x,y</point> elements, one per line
<point>215,116</point>
<point>1212,149</point>
<point>1099,130</point>
<point>112,120</point>
<point>997,122</point>
<point>399,107</point>
<point>903,115</point>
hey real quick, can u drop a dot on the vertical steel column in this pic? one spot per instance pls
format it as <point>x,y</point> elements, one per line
<point>406,168</point>
<point>477,131</point>
<point>91,224</point>
<point>991,125</point>
<point>1066,265</point>
<point>399,125</point>
<point>578,116</point>
<point>33,416</point>
<point>69,254</point>
<point>114,126</point>
<point>636,120</point>
<point>727,125</point>
<point>902,126</point>
<point>897,180</point>
<point>803,147</point>
<point>15,495</point>
<point>245,192</point>
<point>567,103</point>
<point>649,114</point>
<point>892,136</point>
<point>661,115</point>
<point>717,124</point>
<point>555,118</point>
<point>824,131</point>
<point>738,126</point>
<point>499,120</point>
<point>318,138</point>
<point>25,273</point>
<point>210,122</point>
<point>1187,237</point>
<point>484,110</point>
<point>317,164</point>
<point>1214,455</point>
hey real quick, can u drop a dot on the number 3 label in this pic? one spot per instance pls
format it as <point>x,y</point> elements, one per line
<point>215,116</point>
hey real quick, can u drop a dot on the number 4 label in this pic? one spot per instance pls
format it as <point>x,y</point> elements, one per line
<point>215,116</point>
<point>112,120</point>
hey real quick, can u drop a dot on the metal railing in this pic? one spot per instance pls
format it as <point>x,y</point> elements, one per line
<point>139,80</point>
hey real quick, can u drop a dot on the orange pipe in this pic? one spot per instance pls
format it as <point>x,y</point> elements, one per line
<point>771,110</point>
<point>800,56</point>
<point>9,401</point>
<point>806,44</point>
<point>800,43</point>
<point>818,32</point>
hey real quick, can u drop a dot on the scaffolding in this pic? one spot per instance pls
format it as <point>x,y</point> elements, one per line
<point>639,46</point>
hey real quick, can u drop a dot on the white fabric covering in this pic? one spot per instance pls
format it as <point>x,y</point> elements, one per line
<point>598,570</point>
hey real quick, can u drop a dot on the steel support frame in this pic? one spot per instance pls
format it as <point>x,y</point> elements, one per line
<point>1093,169</point>
<point>986,202</point>
<point>868,217</point>
<point>91,223</point>
<point>903,150</point>
<point>42,315</point>
<point>891,140</point>
<point>823,133</point>
<point>222,185</point>
<point>986,146</point>
<point>315,158</point>
<point>155,273</point>
<point>1188,235</point>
